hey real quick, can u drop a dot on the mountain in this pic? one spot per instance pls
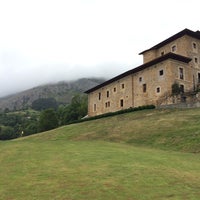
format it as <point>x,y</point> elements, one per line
<point>61,91</point>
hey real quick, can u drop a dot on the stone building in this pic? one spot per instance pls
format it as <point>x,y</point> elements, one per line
<point>175,60</point>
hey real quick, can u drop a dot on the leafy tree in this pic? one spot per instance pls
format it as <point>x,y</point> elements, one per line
<point>7,133</point>
<point>30,128</point>
<point>10,119</point>
<point>44,103</point>
<point>48,120</point>
<point>76,110</point>
<point>20,121</point>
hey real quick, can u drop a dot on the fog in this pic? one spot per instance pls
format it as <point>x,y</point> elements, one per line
<point>45,41</point>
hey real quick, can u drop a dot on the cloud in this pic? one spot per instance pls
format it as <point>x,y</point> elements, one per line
<point>51,40</point>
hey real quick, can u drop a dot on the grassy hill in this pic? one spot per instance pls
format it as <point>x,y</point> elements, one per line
<point>164,129</point>
<point>152,154</point>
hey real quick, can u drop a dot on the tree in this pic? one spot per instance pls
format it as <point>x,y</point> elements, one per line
<point>31,128</point>
<point>48,120</point>
<point>44,103</point>
<point>76,110</point>
<point>7,133</point>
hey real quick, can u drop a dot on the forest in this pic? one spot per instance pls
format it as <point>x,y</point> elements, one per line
<point>44,114</point>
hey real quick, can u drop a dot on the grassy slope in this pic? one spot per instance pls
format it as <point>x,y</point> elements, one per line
<point>75,162</point>
<point>163,129</point>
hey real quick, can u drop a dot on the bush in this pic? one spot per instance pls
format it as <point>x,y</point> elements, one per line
<point>115,113</point>
<point>76,110</point>
<point>7,133</point>
<point>48,120</point>
<point>176,89</point>
<point>30,129</point>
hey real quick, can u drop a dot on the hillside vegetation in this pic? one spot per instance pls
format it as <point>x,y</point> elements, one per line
<point>61,92</point>
<point>144,155</point>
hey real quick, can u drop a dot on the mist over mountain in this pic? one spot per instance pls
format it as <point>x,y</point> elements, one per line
<point>62,92</point>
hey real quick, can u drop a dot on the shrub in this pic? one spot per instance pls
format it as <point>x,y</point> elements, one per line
<point>7,133</point>
<point>176,89</point>
<point>115,113</point>
<point>48,120</point>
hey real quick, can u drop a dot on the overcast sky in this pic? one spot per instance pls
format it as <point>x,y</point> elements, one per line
<point>45,41</point>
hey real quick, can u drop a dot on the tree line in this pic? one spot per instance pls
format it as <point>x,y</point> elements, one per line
<point>45,115</point>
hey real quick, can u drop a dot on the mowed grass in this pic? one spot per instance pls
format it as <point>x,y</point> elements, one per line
<point>173,129</point>
<point>110,158</point>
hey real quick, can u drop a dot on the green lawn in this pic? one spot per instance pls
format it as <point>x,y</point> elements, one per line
<point>106,159</point>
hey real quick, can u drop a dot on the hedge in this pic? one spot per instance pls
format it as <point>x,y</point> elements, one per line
<point>109,114</point>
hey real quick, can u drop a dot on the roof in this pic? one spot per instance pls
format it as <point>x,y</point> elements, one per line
<point>141,67</point>
<point>174,37</point>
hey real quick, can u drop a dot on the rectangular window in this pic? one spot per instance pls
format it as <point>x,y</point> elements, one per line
<point>194,45</point>
<point>196,60</point>
<point>107,94</point>
<point>158,89</point>
<point>95,107</point>
<point>140,79</point>
<point>181,75</point>
<point>121,102</point>
<point>107,104</point>
<point>123,86</point>
<point>162,53</point>
<point>115,89</point>
<point>99,95</point>
<point>198,77</point>
<point>161,72</point>
<point>144,87</point>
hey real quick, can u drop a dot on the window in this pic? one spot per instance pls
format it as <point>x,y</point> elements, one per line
<point>122,85</point>
<point>196,60</point>
<point>99,95</point>
<point>144,87</point>
<point>181,76</point>
<point>194,45</point>
<point>162,53</point>
<point>107,93</point>
<point>182,88</point>
<point>198,77</point>
<point>115,89</point>
<point>173,48</point>
<point>161,72</point>
<point>158,89</point>
<point>121,102</point>
<point>140,79</point>
<point>107,104</point>
<point>95,107</point>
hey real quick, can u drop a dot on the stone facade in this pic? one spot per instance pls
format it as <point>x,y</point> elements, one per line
<point>175,60</point>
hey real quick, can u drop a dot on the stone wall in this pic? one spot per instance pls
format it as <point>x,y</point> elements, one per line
<point>152,85</point>
<point>113,97</point>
